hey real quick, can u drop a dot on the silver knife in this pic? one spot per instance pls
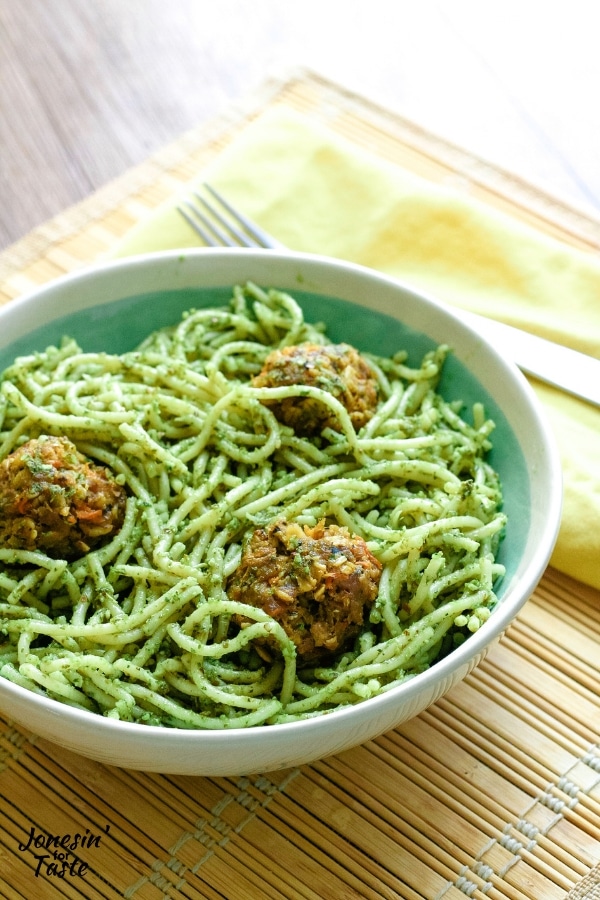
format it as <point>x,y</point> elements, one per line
<point>564,368</point>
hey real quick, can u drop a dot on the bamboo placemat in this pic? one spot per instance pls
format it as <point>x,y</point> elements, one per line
<point>492,792</point>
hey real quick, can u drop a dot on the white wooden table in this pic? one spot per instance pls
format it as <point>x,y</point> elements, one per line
<point>89,88</point>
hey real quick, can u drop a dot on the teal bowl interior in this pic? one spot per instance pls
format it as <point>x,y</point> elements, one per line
<point>121,325</point>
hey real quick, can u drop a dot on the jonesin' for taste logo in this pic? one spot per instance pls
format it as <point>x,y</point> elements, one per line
<point>57,855</point>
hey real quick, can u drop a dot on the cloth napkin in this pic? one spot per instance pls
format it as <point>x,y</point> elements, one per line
<point>319,192</point>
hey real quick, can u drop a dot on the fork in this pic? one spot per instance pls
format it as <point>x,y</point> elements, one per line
<point>220,224</point>
<point>218,230</point>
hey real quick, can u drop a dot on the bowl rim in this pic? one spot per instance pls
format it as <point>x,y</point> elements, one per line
<point>463,657</point>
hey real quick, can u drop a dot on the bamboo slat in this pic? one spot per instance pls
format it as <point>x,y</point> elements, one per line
<point>494,792</point>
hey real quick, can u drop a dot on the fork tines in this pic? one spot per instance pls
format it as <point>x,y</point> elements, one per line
<point>219,224</point>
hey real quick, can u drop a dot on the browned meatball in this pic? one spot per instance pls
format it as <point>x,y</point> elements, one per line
<point>337,368</point>
<point>315,581</point>
<point>54,499</point>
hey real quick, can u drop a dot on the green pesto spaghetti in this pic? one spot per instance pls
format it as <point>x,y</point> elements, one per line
<point>154,623</point>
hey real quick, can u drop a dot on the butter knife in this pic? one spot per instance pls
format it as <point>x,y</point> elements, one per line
<point>569,370</point>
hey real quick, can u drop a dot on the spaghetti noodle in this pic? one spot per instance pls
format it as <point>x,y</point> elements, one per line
<point>141,628</point>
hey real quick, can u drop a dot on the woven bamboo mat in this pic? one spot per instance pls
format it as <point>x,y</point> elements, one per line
<point>493,792</point>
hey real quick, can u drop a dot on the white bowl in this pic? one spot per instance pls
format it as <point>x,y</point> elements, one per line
<point>113,306</point>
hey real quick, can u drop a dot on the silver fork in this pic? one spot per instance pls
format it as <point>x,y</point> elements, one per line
<point>219,224</point>
<point>223,226</point>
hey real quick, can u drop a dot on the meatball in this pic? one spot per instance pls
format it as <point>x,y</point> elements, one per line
<point>337,368</point>
<point>316,582</point>
<point>54,499</point>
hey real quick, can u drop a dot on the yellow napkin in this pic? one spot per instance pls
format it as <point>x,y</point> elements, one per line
<point>318,192</point>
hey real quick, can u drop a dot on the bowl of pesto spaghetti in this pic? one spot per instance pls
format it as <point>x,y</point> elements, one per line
<point>255,508</point>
